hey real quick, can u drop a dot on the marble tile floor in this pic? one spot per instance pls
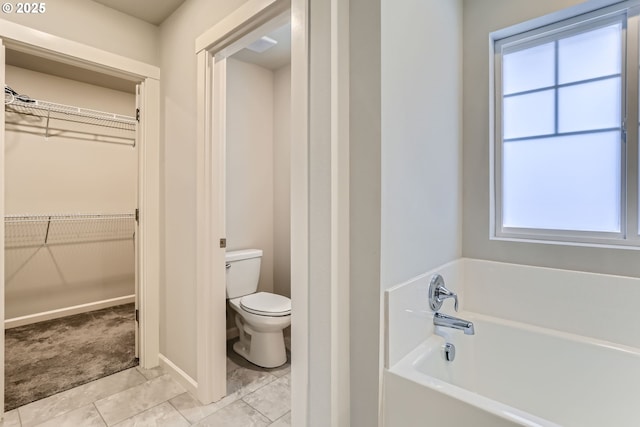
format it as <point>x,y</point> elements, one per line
<point>138,397</point>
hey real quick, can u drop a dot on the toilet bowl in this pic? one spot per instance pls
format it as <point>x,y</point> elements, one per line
<point>260,331</point>
<point>260,317</point>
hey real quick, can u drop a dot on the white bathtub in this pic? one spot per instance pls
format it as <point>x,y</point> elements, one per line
<point>514,374</point>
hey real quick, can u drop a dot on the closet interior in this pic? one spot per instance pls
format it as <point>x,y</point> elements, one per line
<point>71,198</point>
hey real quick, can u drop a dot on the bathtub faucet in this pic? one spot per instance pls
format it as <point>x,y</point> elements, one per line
<point>437,294</point>
<point>440,319</point>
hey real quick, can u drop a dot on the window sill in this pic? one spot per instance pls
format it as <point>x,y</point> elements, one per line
<point>622,244</point>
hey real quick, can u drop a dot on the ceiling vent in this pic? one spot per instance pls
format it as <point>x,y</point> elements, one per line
<point>262,44</point>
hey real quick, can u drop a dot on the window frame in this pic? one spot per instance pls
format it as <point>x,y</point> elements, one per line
<point>534,33</point>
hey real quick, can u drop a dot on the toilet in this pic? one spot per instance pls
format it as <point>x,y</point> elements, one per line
<point>260,317</point>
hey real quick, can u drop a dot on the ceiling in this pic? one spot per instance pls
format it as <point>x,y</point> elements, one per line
<point>276,57</point>
<point>151,11</point>
<point>156,11</point>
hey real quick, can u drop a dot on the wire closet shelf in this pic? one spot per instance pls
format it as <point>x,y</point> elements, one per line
<point>51,110</point>
<point>54,229</point>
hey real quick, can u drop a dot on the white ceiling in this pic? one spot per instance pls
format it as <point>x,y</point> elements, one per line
<point>156,11</point>
<point>276,57</point>
<point>151,11</point>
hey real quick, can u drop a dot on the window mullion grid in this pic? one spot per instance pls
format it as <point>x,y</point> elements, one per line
<point>563,85</point>
<point>630,184</point>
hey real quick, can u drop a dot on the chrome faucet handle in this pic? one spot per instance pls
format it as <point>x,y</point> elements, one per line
<point>438,293</point>
<point>444,293</point>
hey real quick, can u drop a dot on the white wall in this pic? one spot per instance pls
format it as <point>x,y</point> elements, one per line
<point>178,179</point>
<point>258,201</point>
<point>480,18</point>
<point>250,165</point>
<point>405,164</point>
<point>65,175</point>
<point>421,136</point>
<point>365,148</point>
<point>96,25</point>
<point>421,157</point>
<point>282,181</point>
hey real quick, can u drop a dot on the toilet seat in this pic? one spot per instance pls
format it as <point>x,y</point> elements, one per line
<point>266,304</point>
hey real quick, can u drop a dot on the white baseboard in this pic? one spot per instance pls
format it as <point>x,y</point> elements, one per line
<point>179,375</point>
<point>67,311</point>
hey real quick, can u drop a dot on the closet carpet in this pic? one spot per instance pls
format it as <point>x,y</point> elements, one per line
<point>55,355</point>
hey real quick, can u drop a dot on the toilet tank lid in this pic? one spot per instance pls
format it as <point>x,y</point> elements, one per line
<point>242,254</point>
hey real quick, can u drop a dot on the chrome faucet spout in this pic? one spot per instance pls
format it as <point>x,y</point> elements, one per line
<point>440,319</point>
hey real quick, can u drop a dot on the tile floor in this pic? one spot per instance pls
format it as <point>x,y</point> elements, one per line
<point>138,397</point>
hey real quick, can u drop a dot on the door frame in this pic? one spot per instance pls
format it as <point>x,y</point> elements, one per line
<point>320,236</point>
<point>38,43</point>
<point>212,48</point>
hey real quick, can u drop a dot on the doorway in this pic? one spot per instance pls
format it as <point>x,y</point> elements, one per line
<point>214,51</point>
<point>257,158</point>
<point>135,228</point>
<point>71,172</point>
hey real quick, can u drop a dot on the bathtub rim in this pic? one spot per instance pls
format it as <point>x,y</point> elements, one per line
<point>554,333</point>
<point>407,369</point>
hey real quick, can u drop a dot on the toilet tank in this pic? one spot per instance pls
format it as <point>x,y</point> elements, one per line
<point>243,272</point>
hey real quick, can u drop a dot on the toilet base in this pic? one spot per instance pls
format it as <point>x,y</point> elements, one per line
<point>265,349</point>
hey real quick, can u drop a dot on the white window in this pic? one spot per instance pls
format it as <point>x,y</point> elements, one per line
<point>565,166</point>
